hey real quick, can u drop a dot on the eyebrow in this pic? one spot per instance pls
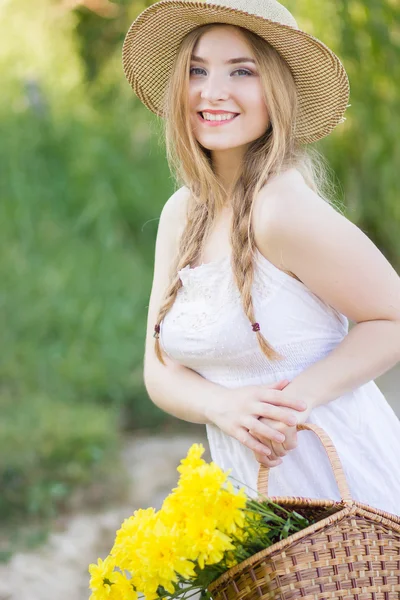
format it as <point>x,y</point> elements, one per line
<point>232,61</point>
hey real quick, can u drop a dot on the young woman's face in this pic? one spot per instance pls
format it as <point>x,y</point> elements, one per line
<point>226,89</point>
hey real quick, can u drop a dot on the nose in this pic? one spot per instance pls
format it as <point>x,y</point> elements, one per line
<point>214,89</point>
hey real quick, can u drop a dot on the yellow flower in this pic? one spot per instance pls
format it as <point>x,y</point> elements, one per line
<point>205,480</point>
<point>231,560</point>
<point>99,595</point>
<point>162,555</point>
<point>193,458</point>
<point>208,544</point>
<point>122,588</point>
<point>175,511</point>
<point>101,577</point>
<point>130,537</point>
<point>229,509</point>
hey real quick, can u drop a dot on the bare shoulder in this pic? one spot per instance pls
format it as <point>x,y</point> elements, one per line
<point>333,257</point>
<point>268,211</point>
<point>286,205</point>
<point>175,209</point>
<point>172,221</point>
<point>287,195</point>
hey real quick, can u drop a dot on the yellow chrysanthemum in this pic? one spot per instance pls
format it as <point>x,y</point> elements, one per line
<point>208,544</point>
<point>122,588</point>
<point>205,480</point>
<point>193,458</point>
<point>163,554</point>
<point>130,537</point>
<point>231,559</point>
<point>175,511</point>
<point>101,575</point>
<point>229,507</point>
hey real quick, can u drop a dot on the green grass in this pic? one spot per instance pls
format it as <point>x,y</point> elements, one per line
<point>76,252</point>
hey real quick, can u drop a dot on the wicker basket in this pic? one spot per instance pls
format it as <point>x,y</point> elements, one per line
<point>351,553</point>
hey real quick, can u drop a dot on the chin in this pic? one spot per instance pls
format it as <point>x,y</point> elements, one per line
<point>220,145</point>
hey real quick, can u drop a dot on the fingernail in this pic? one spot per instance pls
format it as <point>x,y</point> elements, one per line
<point>280,437</point>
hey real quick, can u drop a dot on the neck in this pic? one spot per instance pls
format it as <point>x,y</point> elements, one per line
<point>227,165</point>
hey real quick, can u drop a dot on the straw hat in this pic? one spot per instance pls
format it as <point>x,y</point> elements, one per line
<point>153,38</point>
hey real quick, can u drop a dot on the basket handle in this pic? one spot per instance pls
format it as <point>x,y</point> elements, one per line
<point>263,473</point>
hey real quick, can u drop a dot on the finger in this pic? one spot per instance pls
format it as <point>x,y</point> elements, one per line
<point>279,385</point>
<point>267,462</point>
<point>247,439</point>
<point>272,457</point>
<point>290,442</point>
<point>278,451</point>
<point>276,398</point>
<point>277,413</point>
<point>264,430</point>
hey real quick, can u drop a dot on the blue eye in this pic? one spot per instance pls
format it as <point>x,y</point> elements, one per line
<point>245,71</point>
<point>194,69</point>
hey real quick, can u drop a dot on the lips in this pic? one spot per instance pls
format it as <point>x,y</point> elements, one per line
<point>217,112</point>
<point>232,115</point>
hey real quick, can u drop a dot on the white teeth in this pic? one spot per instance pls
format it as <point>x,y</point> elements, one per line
<point>220,117</point>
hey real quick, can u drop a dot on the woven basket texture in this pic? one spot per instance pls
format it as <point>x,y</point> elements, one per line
<point>152,41</point>
<point>352,552</point>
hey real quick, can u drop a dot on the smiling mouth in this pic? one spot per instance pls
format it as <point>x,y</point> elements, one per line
<point>218,118</point>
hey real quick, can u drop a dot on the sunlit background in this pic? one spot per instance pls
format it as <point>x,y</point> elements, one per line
<point>83,178</point>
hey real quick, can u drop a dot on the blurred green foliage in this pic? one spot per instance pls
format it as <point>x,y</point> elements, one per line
<point>83,178</point>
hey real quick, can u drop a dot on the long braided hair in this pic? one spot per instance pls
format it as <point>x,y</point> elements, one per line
<point>275,151</point>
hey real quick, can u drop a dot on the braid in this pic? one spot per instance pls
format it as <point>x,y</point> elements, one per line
<point>171,293</point>
<point>242,239</point>
<point>198,222</point>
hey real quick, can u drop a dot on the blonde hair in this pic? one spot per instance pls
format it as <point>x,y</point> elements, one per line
<point>275,151</point>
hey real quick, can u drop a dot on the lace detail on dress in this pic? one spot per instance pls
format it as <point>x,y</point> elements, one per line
<point>201,300</point>
<point>207,330</point>
<point>208,292</point>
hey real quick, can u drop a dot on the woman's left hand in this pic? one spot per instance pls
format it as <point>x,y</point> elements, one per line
<point>278,451</point>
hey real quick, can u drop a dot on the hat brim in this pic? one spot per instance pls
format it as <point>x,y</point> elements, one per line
<point>153,39</point>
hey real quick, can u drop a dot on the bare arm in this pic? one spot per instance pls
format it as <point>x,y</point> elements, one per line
<point>172,387</point>
<point>342,266</point>
<point>339,263</point>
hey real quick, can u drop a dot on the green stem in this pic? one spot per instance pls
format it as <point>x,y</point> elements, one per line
<point>260,510</point>
<point>182,591</point>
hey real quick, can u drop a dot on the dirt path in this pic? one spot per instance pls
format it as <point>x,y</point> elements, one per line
<point>59,569</point>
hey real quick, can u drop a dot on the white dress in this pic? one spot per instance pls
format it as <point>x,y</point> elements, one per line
<point>207,331</point>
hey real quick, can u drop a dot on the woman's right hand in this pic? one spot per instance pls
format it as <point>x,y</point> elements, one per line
<point>239,409</point>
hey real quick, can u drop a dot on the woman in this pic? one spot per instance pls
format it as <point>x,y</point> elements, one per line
<point>256,274</point>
